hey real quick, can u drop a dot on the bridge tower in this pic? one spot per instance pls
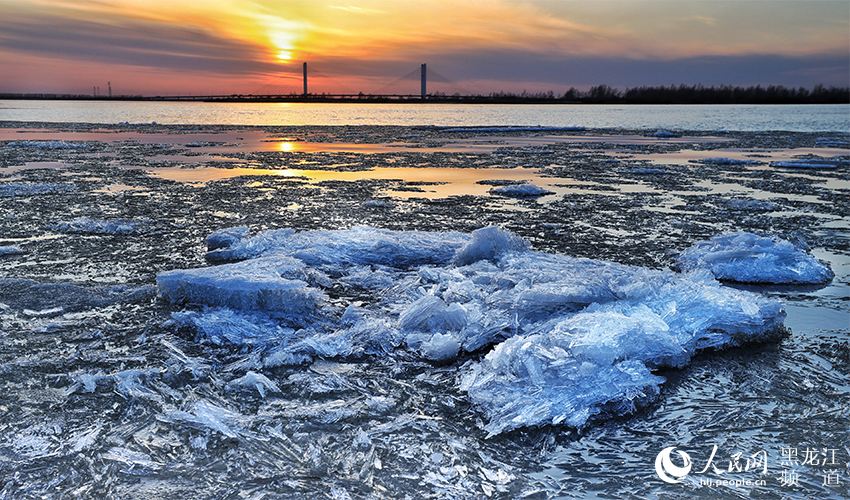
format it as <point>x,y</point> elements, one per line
<point>424,84</point>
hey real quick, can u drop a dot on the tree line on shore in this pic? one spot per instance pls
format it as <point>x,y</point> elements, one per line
<point>598,94</point>
<point>693,94</point>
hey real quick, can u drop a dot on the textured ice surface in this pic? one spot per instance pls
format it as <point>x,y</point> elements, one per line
<point>88,225</point>
<point>254,381</point>
<point>750,258</point>
<point>12,189</point>
<point>750,204</point>
<point>10,250</point>
<point>520,191</point>
<point>666,134</point>
<point>339,249</point>
<point>576,337</point>
<point>513,129</point>
<point>722,161</point>
<point>816,164</point>
<point>53,298</point>
<point>35,144</point>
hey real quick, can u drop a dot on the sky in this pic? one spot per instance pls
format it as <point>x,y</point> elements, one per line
<point>202,47</point>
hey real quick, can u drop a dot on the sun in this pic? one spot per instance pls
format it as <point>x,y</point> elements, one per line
<point>283,37</point>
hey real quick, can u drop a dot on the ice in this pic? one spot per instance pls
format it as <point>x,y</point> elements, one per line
<point>359,245</point>
<point>577,338</point>
<point>722,161</point>
<point>818,164</point>
<point>378,203</point>
<point>488,243</point>
<point>514,129</point>
<point>88,225</point>
<point>750,258</point>
<point>647,171</point>
<point>59,297</point>
<point>599,361</point>
<point>749,204</point>
<point>222,326</point>
<point>520,191</point>
<point>34,144</point>
<point>15,189</point>
<point>665,134</point>
<point>206,415</point>
<point>9,250</point>
<point>831,142</point>
<point>255,381</point>
<point>226,237</point>
<point>275,286</point>
<point>440,347</point>
<point>135,459</point>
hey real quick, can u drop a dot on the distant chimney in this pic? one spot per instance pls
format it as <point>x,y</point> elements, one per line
<point>424,74</point>
<point>305,78</point>
<point>109,87</point>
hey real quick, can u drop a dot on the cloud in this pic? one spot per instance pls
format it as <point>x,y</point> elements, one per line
<point>132,41</point>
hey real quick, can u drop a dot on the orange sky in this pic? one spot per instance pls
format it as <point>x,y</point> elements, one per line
<point>225,46</point>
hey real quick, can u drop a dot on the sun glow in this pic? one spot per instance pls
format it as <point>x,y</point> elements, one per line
<point>283,35</point>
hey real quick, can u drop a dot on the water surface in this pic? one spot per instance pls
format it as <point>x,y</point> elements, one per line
<point>803,118</point>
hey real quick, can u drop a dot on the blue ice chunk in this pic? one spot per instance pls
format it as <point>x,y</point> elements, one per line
<point>275,286</point>
<point>226,237</point>
<point>750,258</point>
<point>255,381</point>
<point>488,243</point>
<point>520,191</point>
<point>8,250</point>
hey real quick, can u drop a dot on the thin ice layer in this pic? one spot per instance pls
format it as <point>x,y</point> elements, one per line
<point>89,225</point>
<point>576,337</point>
<point>750,258</point>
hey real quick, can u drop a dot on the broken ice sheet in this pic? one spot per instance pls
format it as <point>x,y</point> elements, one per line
<point>577,338</point>
<point>750,258</point>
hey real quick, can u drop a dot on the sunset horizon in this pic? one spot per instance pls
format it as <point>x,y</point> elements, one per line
<point>224,47</point>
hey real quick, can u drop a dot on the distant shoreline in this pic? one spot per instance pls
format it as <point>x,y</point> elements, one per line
<point>600,94</point>
<point>236,100</point>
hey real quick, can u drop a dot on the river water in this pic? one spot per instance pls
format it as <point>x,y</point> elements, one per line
<point>799,118</point>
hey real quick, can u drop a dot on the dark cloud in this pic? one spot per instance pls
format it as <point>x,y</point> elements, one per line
<point>131,42</point>
<point>559,71</point>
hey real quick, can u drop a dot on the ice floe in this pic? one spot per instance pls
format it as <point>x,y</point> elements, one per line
<point>722,161</point>
<point>14,189</point>
<point>35,144</point>
<point>88,225</point>
<point>514,129</point>
<point>665,134</point>
<point>750,258</point>
<point>750,204</point>
<point>520,191</point>
<point>574,338</point>
<point>8,250</point>
<point>815,164</point>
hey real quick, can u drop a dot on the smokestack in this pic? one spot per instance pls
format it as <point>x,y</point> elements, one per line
<point>424,73</point>
<point>109,86</point>
<point>305,79</point>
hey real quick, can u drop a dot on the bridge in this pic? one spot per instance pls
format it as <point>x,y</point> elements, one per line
<point>306,95</point>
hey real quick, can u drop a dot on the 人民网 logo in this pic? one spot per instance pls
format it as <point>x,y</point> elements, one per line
<point>667,470</point>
